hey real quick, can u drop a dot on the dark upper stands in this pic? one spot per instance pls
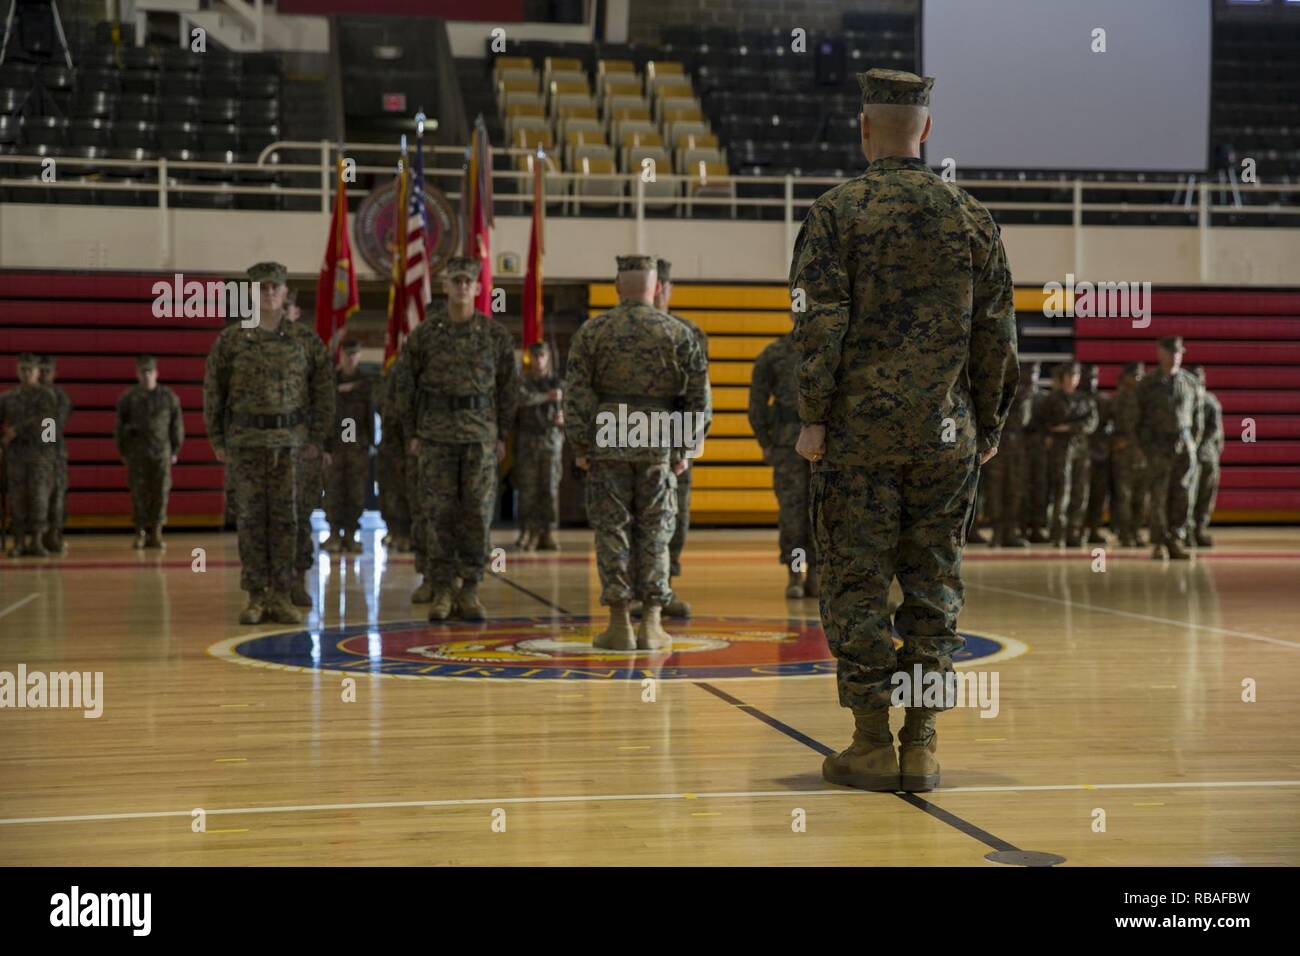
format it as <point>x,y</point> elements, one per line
<point>764,110</point>
<point>141,103</point>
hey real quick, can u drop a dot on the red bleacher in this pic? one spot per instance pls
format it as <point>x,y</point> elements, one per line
<point>94,324</point>
<point>1249,343</point>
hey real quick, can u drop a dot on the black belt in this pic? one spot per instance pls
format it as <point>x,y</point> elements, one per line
<point>454,403</point>
<point>645,401</point>
<point>268,421</point>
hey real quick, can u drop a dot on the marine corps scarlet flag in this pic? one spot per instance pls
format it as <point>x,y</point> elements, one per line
<point>476,210</point>
<point>336,286</point>
<point>536,247</point>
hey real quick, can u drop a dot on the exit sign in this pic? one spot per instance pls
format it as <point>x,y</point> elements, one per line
<point>394,102</point>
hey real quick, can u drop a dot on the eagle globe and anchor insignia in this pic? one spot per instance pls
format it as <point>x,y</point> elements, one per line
<point>376,222</point>
<point>558,647</point>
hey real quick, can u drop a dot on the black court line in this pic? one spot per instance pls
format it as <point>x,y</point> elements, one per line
<point>965,826</point>
<point>532,594</point>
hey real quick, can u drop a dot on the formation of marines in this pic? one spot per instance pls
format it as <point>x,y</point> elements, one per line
<point>1147,454</point>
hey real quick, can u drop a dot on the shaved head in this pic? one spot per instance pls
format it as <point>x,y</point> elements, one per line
<point>890,129</point>
<point>636,284</point>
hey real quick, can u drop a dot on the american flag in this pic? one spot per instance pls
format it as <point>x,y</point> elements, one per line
<point>411,293</point>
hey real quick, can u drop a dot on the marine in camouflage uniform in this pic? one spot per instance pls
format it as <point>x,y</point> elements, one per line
<point>663,298</point>
<point>908,341</point>
<point>149,432</point>
<point>457,387</point>
<point>774,418</point>
<point>1069,417</point>
<point>1167,398</point>
<point>54,542</point>
<point>1128,464</point>
<point>1004,477</point>
<point>1099,466</point>
<point>311,459</point>
<point>634,364</point>
<point>266,394</point>
<point>539,447</point>
<point>1037,493</point>
<point>1209,449</point>
<point>395,466</point>
<point>348,469</point>
<point>28,416</point>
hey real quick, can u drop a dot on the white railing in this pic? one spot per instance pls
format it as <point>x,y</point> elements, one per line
<point>167,177</point>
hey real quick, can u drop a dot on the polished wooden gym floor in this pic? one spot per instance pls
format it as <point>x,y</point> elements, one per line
<point>1121,738</point>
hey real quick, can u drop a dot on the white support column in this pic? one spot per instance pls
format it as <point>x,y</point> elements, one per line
<point>164,216</point>
<point>1203,229</point>
<point>1077,214</point>
<point>789,216</point>
<point>325,206</point>
<point>640,215</point>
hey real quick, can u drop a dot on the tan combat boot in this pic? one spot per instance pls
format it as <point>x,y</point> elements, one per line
<point>37,547</point>
<point>256,610</point>
<point>619,636</point>
<point>352,543</point>
<point>468,606</point>
<point>869,763</point>
<point>154,538</point>
<point>424,593</point>
<point>334,543</point>
<point>918,768</point>
<point>138,543</point>
<point>440,604</point>
<point>528,540</point>
<point>794,585</point>
<point>546,541</point>
<point>811,584</point>
<point>1176,551</point>
<point>298,593</point>
<point>280,610</point>
<point>677,608</point>
<point>650,635</point>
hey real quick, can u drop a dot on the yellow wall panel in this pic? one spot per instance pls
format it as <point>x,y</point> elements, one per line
<point>720,477</point>
<point>732,449</point>
<point>730,398</point>
<point>730,373</point>
<point>730,425</point>
<point>737,346</point>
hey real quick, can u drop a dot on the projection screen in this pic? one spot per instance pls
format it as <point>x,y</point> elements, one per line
<point>1019,86</point>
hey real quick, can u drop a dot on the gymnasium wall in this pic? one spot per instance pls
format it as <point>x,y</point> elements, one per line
<point>96,237</point>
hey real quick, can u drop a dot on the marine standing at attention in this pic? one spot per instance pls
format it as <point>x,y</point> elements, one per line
<point>265,396</point>
<point>149,433</point>
<point>633,365</point>
<point>457,390</point>
<point>909,371</point>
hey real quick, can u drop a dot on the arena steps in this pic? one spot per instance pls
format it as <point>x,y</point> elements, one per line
<point>94,324</point>
<point>1249,343</point>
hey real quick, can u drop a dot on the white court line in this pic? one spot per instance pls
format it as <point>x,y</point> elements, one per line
<point>1293,645</point>
<point>610,797</point>
<point>17,604</point>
